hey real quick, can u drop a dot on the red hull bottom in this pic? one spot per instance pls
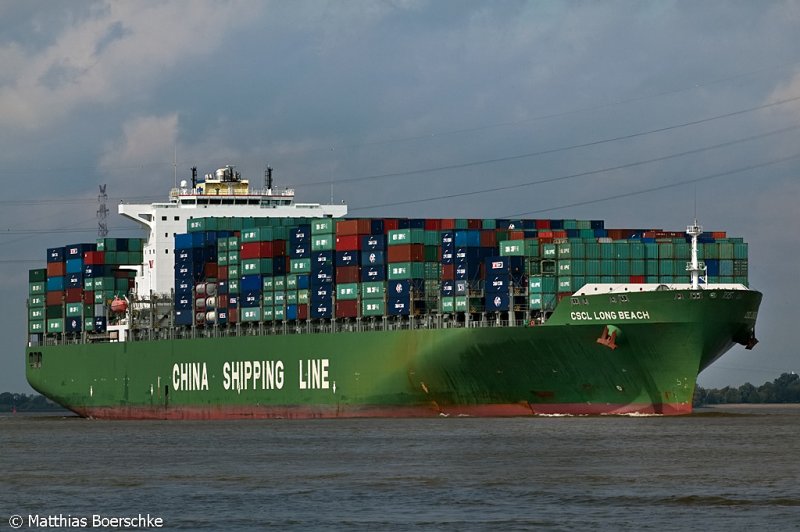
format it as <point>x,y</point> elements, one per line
<point>422,411</point>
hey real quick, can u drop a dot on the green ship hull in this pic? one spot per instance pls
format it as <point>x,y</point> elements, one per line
<point>598,354</point>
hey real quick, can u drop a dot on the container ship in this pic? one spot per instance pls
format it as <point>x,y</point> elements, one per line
<point>242,303</point>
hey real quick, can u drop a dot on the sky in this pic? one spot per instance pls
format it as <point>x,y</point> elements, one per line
<point>637,113</point>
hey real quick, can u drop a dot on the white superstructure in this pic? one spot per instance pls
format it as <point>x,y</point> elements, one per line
<point>222,194</point>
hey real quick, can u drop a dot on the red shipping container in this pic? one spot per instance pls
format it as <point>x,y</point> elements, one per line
<point>88,298</point>
<point>390,224</point>
<point>54,298</point>
<point>233,315</point>
<point>56,269</point>
<point>406,253</point>
<point>347,309</point>
<point>210,270</point>
<point>222,272</point>
<point>348,243</point>
<point>302,311</point>
<point>222,301</point>
<point>638,279</point>
<point>516,235</point>
<point>474,223</point>
<point>448,272</point>
<point>74,295</point>
<point>433,224</point>
<point>718,234</point>
<point>488,238</point>
<point>249,250</point>
<point>276,248</point>
<point>542,224</point>
<point>448,224</point>
<point>94,257</point>
<point>545,234</point>
<point>347,274</point>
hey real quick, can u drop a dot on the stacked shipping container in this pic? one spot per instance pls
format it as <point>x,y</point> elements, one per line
<point>72,294</point>
<point>230,270</point>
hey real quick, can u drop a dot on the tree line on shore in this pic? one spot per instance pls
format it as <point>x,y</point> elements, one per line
<point>784,389</point>
<point>20,402</point>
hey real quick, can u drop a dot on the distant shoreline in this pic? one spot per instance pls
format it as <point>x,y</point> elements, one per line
<point>756,406</point>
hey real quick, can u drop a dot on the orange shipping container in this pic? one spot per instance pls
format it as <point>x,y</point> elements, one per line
<point>56,269</point>
<point>347,274</point>
<point>74,295</point>
<point>360,226</point>
<point>406,253</point>
<point>347,309</point>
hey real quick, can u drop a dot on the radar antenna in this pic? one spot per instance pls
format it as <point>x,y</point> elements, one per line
<point>102,212</point>
<point>695,268</point>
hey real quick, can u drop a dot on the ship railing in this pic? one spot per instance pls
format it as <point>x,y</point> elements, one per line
<point>341,325</point>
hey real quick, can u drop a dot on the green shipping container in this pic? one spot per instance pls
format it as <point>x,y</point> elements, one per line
<point>535,301</point>
<point>300,265</point>
<point>36,314</point>
<point>37,276</point>
<point>512,248</point>
<point>373,290</point>
<point>74,310</point>
<point>373,307</point>
<point>322,242</point>
<point>233,286</point>
<point>55,325</point>
<point>323,226</point>
<point>36,301</point>
<point>36,288</point>
<point>406,270</point>
<point>405,236</point>
<point>256,266</point>
<point>36,327</point>
<point>447,304</point>
<point>347,291</point>
<point>250,314</point>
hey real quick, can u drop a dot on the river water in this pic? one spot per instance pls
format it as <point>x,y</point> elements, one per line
<point>731,468</point>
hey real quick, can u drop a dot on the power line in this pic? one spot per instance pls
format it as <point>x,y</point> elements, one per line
<point>73,201</point>
<point>661,187</point>
<point>550,151</point>
<point>582,174</point>
<point>65,230</point>
<point>613,103</point>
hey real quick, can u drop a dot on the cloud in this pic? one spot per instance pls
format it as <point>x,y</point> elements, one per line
<point>144,138</point>
<point>113,55</point>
